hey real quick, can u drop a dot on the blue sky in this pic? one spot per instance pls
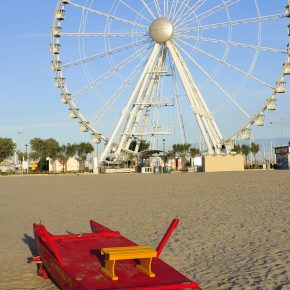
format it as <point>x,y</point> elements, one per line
<point>30,103</point>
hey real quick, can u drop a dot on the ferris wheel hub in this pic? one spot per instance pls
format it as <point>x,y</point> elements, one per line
<point>161,30</point>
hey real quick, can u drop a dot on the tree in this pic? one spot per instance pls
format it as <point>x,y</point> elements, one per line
<point>143,145</point>
<point>42,148</point>
<point>38,148</point>
<point>246,151</point>
<point>66,152</point>
<point>181,149</point>
<point>22,155</point>
<point>52,150</point>
<point>255,148</point>
<point>237,148</point>
<point>194,152</point>
<point>7,148</point>
<point>83,149</point>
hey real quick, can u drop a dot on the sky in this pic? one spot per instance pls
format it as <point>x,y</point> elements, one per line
<point>29,101</point>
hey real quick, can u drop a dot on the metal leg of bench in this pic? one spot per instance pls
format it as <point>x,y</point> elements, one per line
<point>145,267</point>
<point>109,270</point>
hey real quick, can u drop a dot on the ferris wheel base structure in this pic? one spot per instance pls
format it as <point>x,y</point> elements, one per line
<point>168,34</point>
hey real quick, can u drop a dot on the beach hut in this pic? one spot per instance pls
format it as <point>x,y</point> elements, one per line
<point>283,157</point>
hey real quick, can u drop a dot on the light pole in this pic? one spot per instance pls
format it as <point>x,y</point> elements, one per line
<point>20,141</point>
<point>26,152</point>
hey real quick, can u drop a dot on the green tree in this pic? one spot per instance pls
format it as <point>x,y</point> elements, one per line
<point>22,155</point>
<point>194,152</point>
<point>38,148</point>
<point>255,148</point>
<point>246,151</point>
<point>7,148</point>
<point>143,145</point>
<point>237,148</point>
<point>52,150</point>
<point>83,149</point>
<point>181,149</point>
<point>66,152</point>
<point>42,148</point>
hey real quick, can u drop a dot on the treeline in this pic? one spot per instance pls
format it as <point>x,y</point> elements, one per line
<point>247,149</point>
<point>40,149</point>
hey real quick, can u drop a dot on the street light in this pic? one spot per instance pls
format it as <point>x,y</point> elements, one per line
<point>26,152</point>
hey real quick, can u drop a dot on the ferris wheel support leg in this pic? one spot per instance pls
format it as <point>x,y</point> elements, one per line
<point>133,125</point>
<point>204,119</point>
<point>134,112</point>
<point>148,98</point>
<point>138,116</point>
<point>130,101</point>
<point>148,109</point>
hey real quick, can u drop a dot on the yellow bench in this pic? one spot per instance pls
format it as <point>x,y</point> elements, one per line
<point>143,253</point>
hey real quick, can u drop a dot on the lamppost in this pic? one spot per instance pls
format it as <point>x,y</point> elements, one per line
<point>164,157</point>
<point>20,141</point>
<point>26,155</point>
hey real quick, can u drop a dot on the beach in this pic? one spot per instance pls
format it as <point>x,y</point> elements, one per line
<point>234,230</point>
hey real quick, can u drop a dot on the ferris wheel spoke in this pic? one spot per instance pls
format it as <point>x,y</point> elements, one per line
<point>180,11</point>
<point>225,63</point>
<point>105,53</point>
<point>224,5</point>
<point>191,10</point>
<point>174,4</point>
<point>177,98</point>
<point>217,8</point>
<point>148,8</point>
<point>109,73</point>
<point>214,81</point>
<point>165,6</point>
<point>125,84</point>
<point>103,34</point>
<point>233,23</point>
<point>231,43</point>
<point>134,10</point>
<point>157,6</point>
<point>107,15</point>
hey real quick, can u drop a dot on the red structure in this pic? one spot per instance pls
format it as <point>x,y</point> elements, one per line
<point>77,261</point>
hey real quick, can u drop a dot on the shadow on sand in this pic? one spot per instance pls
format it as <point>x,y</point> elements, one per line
<point>30,242</point>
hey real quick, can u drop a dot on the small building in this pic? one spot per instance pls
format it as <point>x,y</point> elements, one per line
<point>73,164</point>
<point>225,162</point>
<point>283,157</point>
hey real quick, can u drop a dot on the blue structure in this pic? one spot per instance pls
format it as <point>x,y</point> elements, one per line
<point>283,157</point>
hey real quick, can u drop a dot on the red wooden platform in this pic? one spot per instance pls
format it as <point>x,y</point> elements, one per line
<point>74,262</point>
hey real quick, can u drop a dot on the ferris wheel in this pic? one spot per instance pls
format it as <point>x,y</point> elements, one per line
<point>142,70</point>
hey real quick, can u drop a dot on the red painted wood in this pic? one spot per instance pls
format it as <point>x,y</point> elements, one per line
<point>82,262</point>
<point>167,235</point>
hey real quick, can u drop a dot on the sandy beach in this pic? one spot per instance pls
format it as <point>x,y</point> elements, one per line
<point>234,230</point>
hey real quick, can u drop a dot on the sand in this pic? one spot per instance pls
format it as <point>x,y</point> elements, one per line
<point>234,230</point>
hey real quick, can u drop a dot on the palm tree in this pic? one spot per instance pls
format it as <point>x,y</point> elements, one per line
<point>83,149</point>
<point>194,152</point>
<point>237,148</point>
<point>181,150</point>
<point>255,148</point>
<point>66,152</point>
<point>246,151</point>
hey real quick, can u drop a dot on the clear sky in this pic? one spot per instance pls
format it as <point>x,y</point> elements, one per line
<point>29,102</point>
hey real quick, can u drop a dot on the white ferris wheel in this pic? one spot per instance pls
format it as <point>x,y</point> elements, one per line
<point>133,70</point>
